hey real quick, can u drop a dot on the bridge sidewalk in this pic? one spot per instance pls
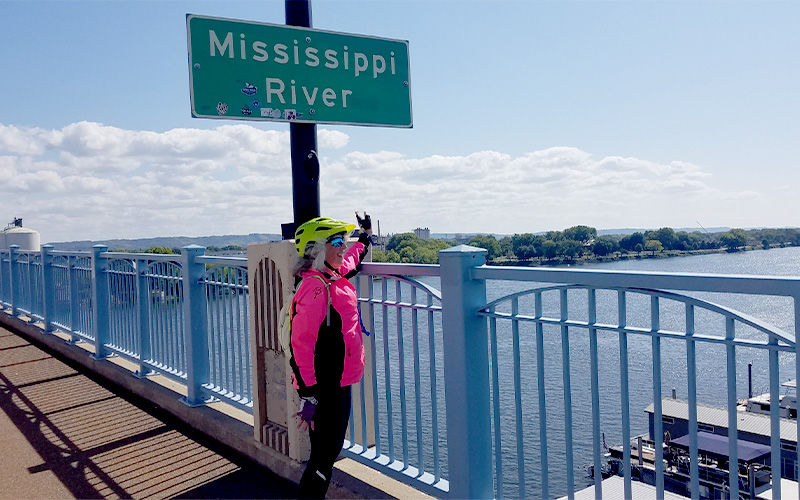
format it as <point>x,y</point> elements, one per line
<point>63,434</point>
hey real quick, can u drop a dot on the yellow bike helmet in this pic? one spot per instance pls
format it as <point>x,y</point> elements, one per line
<point>318,229</point>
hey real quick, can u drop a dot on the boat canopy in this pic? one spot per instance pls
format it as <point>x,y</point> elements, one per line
<point>717,446</point>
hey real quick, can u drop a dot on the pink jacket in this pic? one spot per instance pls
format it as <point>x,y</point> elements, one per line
<point>322,355</point>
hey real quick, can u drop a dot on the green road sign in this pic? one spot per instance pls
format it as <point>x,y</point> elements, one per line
<point>257,71</point>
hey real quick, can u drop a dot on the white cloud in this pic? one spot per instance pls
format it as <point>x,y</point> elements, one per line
<point>91,181</point>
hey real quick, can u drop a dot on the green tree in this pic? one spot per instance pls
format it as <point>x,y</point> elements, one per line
<point>554,235</point>
<point>666,235</point>
<point>526,252</point>
<point>604,246</point>
<point>506,247</point>
<point>549,249</point>
<point>570,249</point>
<point>161,250</point>
<point>630,241</point>
<point>385,256</point>
<point>733,239</point>
<point>398,241</point>
<point>580,233</point>
<point>653,246</point>
<point>488,242</point>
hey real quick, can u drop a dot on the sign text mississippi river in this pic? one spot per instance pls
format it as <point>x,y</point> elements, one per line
<point>256,71</point>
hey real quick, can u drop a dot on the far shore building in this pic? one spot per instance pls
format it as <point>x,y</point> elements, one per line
<point>425,234</point>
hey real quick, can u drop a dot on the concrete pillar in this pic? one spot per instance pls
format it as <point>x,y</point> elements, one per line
<point>274,400</point>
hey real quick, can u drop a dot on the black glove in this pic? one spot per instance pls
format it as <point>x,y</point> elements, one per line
<point>364,224</point>
<point>306,414</point>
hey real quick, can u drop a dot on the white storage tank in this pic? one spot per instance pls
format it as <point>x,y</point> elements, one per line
<point>15,234</point>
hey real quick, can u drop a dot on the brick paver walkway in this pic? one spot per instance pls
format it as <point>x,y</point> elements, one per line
<point>64,435</point>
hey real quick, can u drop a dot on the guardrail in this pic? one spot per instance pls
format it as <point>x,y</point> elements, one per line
<point>462,388</point>
<point>183,316</point>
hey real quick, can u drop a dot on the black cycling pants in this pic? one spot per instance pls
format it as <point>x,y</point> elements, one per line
<point>327,438</point>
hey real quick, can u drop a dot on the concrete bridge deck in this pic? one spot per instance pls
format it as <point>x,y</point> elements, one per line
<point>67,432</point>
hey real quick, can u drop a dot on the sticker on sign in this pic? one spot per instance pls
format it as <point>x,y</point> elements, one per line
<point>259,71</point>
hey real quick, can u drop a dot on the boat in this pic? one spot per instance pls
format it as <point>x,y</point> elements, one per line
<point>754,474</point>
<point>788,401</point>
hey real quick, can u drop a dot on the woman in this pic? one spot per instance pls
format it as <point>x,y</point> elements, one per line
<point>327,352</point>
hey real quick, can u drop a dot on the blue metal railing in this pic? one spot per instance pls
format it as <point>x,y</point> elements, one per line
<point>604,307</point>
<point>466,397</point>
<point>407,412</point>
<point>133,306</point>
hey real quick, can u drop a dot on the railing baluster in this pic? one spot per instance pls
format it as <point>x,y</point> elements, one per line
<point>224,338</point>
<point>402,375</point>
<point>173,334</point>
<point>595,388</point>
<point>775,424</point>
<point>567,396</point>
<point>658,438</point>
<point>214,345</point>
<point>796,352</point>
<point>498,448</point>
<point>691,375</point>
<point>434,399</point>
<point>518,397</point>
<point>733,431</point>
<point>237,332</point>
<point>542,401</point>
<point>625,405</point>
<point>387,375</point>
<point>375,406</point>
<point>417,384</point>
<point>248,380</point>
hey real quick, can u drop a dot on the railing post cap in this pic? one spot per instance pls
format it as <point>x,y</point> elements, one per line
<point>98,246</point>
<point>193,248</point>
<point>463,249</point>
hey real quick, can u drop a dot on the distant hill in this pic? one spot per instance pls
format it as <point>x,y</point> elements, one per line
<point>169,242</point>
<point>710,230</point>
<point>600,232</point>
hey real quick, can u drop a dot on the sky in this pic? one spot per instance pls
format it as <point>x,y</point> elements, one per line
<point>527,116</point>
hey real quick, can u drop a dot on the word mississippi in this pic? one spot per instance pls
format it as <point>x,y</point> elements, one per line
<point>311,56</point>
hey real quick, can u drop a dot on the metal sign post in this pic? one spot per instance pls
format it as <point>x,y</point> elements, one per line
<point>303,139</point>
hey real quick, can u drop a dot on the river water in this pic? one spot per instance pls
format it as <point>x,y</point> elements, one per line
<point>711,360</point>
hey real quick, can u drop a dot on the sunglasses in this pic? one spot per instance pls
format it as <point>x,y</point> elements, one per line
<point>336,242</point>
